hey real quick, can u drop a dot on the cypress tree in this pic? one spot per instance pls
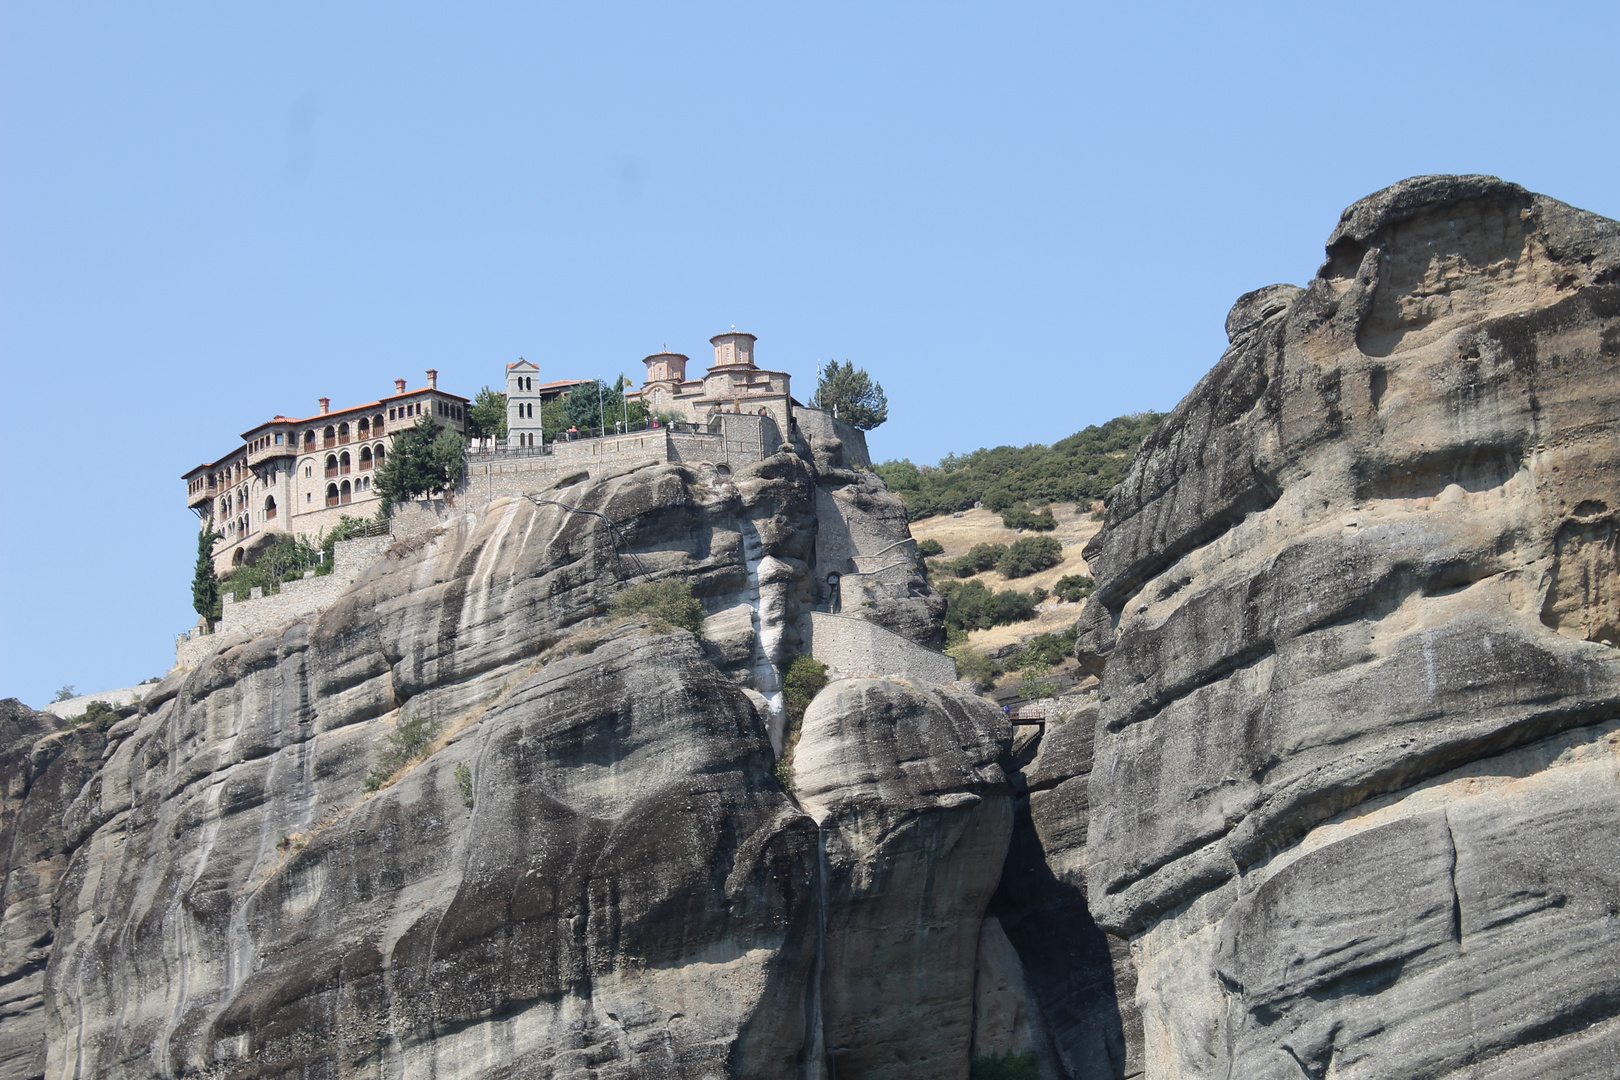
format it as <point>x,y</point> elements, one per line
<point>204,582</point>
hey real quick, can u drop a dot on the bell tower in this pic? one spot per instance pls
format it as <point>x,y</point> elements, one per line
<point>523,405</point>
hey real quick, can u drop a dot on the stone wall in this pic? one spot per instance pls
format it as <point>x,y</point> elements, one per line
<point>295,600</point>
<point>75,706</point>
<point>819,427</point>
<point>853,648</point>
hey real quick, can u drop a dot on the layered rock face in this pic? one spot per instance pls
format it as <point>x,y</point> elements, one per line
<point>1355,792</point>
<point>595,872</point>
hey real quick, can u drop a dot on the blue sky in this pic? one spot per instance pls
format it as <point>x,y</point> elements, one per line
<point>1021,219</point>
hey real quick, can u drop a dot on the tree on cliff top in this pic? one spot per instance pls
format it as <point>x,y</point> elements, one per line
<point>486,416</point>
<point>426,459</point>
<point>204,582</point>
<point>860,401</point>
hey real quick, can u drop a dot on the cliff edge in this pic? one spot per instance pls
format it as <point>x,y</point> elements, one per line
<point>1355,796</point>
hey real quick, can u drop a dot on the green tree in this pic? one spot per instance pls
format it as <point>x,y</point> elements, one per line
<point>486,416</point>
<point>859,401</point>
<point>426,459</point>
<point>204,582</point>
<point>666,603</point>
<point>930,547</point>
<point>1035,682</point>
<point>1073,588</point>
<point>1021,517</point>
<point>591,403</point>
<point>66,693</point>
<point>1029,556</point>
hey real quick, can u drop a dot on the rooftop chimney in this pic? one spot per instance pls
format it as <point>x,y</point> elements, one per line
<point>433,378</point>
<point>326,404</point>
<point>399,386</point>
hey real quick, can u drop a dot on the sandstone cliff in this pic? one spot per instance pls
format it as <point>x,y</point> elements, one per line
<point>1345,806</point>
<point>595,873</point>
<point>1355,796</point>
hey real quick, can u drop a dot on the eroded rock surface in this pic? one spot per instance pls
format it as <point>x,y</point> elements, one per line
<point>915,812</point>
<point>1356,766</point>
<point>594,873</point>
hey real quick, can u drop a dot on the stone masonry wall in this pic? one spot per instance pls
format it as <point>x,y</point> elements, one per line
<point>295,600</point>
<point>853,648</point>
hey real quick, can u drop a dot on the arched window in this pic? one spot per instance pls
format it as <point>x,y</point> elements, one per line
<point>377,424</point>
<point>331,494</point>
<point>363,428</point>
<point>344,492</point>
<point>377,458</point>
<point>331,436</point>
<point>309,438</point>
<point>269,507</point>
<point>236,559</point>
<point>343,462</point>
<point>331,465</point>
<point>365,457</point>
<point>365,483</point>
<point>343,432</point>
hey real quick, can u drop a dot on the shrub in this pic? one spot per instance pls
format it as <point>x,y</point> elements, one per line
<point>1049,649</point>
<point>927,549</point>
<point>969,605</point>
<point>1073,588</point>
<point>666,603</point>
<point>1034,682</point>
<point>1029,556</point>
<point>407,745</point>
<point>979,557</point>
<point>806,677</point>
<point>67,692</point>
<point>97,714</point>
<point>973,664</point>
<point>464,782</point>
<point>1007,1067</point>
<point>1011,606</point>
<point>1021,517</point>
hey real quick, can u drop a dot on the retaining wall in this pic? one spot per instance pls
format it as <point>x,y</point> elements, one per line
<point>853,648</point>
<point>75,706</point>
<point>295,600</point>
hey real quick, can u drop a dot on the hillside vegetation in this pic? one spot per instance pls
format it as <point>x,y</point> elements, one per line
<point>1078,469</point>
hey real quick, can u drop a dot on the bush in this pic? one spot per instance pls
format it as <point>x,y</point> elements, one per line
<point>1048,649</point>
<point>969,605</point>
<point>973,664</point>
<point>97,714</point>
<point>1012,606</point>
<point>927,549</point>
<point>1029,556</point>
<point>1021,517</point>
<point>666,603</point>
<point>806,677</point>
<point>979,557</point>
<point>464,782</point>
<point>1073,588</point>
<point>1008,1067</point>
<point>407,745</point>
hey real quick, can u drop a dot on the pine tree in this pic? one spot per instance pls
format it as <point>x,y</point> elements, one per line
<point>860,402</point>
